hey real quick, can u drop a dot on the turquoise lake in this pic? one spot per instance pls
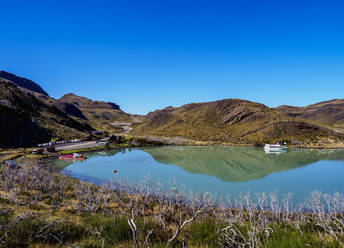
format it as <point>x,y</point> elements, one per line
<point>222,171</point>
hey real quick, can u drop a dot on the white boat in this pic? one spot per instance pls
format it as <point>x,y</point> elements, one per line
<point>274,148</point>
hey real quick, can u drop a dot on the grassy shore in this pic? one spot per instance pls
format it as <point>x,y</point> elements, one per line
<point>129,141</point>
<point>91,149</point>
<point>141,141</point>
<point>41,208</point>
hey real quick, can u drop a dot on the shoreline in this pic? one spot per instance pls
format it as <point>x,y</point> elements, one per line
<point>71,209</point>
<point>15,153</point>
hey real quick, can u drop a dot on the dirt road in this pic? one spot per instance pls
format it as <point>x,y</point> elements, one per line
<point>126,126</point>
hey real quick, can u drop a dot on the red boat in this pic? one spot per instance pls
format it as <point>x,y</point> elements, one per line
<point>74,156</point>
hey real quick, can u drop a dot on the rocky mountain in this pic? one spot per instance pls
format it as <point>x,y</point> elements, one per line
<point>99,111</point>
<point>97,114</point>
<point>234,121</point>
<point>30,115</point>
<point>22,82</point>
<point>83,102</point>
<point>26,121</point>
<point>327,113</point>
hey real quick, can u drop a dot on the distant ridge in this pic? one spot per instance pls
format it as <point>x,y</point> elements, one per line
<point>95,111</point>
<point>84,102</point>
<point>236,121</point>
<point>23,82</point>
<point>29,115</point>
<point>327,113</point>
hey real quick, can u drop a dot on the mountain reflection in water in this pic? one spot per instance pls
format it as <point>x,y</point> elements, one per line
<point>238,164</point>
<point>220,170</point>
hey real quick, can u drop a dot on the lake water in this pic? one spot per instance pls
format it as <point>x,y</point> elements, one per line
<point>220,170</point>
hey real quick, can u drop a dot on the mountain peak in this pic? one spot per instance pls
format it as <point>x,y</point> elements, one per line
<point>84,102</point>
<point>70,95</point>
<point>22,82</point>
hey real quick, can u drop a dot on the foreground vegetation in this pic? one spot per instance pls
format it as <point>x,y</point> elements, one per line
<point>41,208</point>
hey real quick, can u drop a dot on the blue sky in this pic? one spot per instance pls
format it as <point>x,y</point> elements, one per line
<point>146,55</point>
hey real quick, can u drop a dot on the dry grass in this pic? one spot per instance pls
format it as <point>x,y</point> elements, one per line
<point>236,122</point>
<point>40,208</point>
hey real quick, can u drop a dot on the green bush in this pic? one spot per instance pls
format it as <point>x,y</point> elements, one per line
<point>113,230</point>
<point>288,236</point>
<point>204,233</point>
<point>28,230</point>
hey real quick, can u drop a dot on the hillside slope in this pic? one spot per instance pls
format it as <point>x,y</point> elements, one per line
<point>95,110</point>
<point>234,121</point>
<point>22,82</point>
<point>327,113</point>
<point>26,121</point>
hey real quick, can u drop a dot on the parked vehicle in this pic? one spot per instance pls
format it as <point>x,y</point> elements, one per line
<point>38,151</point>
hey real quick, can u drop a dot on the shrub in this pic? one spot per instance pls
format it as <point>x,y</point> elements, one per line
<point>204,232</point>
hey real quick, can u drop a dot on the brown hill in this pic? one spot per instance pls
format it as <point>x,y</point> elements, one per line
<point>99,111</point>
<point>233,121</point>
<point>33,88</point>
<point>85,103</point>
<point>26,121</point>
<point>327,113</point>
<point>22,82</point>
<point>75,106</point>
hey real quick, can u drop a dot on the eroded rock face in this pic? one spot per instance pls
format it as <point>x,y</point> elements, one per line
<point>234,111</point>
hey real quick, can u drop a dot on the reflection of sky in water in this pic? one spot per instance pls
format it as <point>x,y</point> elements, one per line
<point>133,165</point>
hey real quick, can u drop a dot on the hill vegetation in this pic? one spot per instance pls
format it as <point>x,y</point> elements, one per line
<point>98,113</point>
<point>40,208</point>
<point>22,82</point>
<point>26,121</point>
<point>31,116</point>
<point>229,121</point>
<point>235,121</point>
<point>327,113</point>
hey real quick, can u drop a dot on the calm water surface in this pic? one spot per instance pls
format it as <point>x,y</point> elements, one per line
<point>220,170</point>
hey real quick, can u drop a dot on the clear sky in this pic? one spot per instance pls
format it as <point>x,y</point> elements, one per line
<point>146,55</point>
